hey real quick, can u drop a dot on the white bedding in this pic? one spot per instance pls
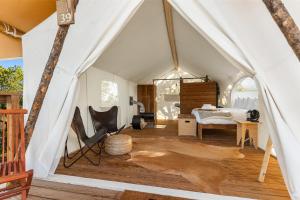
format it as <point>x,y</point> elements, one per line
<point>237,114</point>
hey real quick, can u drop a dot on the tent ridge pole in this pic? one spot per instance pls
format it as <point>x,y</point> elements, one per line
<point>170,30</point>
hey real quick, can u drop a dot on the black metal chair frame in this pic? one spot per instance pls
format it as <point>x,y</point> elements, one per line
<point>83,150</point>
<point>83,153</point>
<point>110,132</point>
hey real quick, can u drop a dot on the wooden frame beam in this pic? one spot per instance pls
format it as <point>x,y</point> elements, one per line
<point>170,28</point>
<point>64,25</point>
<point>265,163</point>
<point>286,24</point>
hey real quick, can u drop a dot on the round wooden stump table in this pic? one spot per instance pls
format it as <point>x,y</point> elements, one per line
<point>118,144</point>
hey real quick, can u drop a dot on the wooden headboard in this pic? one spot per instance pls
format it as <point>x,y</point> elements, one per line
<point>194,95</point>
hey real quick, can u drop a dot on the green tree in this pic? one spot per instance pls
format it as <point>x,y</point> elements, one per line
<point>11,79</point>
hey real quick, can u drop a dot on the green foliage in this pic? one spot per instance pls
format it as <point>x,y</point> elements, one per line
<point>11,79</point>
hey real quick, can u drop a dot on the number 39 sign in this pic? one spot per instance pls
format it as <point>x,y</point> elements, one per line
<point>65,11</point>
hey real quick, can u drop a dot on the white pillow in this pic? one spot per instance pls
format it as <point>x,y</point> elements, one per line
<point>208,107</point>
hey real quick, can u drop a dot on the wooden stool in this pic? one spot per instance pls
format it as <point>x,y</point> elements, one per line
<point>118,144</point>
<point>242,127</point>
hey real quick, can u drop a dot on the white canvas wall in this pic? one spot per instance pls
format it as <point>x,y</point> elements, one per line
<point>265,50</point>
<point>90,95</point>
<point>81,49</point>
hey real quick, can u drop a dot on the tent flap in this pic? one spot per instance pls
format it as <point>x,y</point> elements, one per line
<point>106,18</point>
<point>229,27</point>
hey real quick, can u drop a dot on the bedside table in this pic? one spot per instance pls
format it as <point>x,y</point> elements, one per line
<point>242,127</point>
<point>187,125</point>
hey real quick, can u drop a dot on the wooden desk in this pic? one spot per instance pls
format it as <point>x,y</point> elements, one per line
<point>242,127</point>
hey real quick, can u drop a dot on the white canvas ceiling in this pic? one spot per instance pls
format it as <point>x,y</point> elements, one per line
<point>196,55</point>
<point>142,52</point>
<point>142,48</point>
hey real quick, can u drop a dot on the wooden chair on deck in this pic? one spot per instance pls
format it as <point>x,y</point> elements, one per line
<point>14,180</point>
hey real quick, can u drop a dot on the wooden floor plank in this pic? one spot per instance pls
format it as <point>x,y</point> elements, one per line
<point>59,191</point>
<point>241,179</point>
<point>130,195</point>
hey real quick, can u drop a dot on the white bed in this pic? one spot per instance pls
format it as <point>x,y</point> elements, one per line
<point>237,114</point>
<point>219,122</point>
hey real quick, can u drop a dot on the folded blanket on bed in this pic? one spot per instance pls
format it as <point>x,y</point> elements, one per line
<point>213,114</point>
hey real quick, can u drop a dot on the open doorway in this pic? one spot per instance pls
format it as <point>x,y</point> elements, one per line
<point>167,97</point>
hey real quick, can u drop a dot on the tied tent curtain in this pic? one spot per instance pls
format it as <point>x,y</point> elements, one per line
<point>97,24</point>
<point>245,33</point>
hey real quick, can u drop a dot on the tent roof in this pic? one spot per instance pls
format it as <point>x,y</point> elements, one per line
<point>23,15</point>
<point>142,48</point>
<point>143,51</point>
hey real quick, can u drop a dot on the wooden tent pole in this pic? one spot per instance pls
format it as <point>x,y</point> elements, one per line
<point>265,163</point>
<point>50,65</point>
<point>286,24</point>
<point>292,34</point>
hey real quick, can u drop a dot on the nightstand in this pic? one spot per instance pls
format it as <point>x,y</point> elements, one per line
<point>242,127</point>
<point>187,125</point>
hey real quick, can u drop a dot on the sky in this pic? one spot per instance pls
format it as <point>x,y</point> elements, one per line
<point>12,62</point>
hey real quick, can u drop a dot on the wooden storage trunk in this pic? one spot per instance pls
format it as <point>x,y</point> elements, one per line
<point>187,125</point>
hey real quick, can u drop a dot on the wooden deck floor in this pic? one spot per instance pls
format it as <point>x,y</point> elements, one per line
<point>44,190</point>
<point>241,180</point>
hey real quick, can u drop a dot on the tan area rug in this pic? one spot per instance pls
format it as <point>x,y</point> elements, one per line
<point>197,162</point>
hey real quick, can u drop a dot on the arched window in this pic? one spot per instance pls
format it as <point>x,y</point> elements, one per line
<point>244,94</point>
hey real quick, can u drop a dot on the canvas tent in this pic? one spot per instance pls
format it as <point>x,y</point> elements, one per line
<point>127,41</point>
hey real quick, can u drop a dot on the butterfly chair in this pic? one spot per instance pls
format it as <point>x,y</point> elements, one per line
<point>107,119</point>
<point>14,179</point>
<point>90,142</point>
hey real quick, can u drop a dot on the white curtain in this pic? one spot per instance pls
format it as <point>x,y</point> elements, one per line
<point>97,24</point>
<point>245,32</point>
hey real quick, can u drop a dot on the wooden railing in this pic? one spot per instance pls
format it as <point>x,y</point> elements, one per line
<point>13,177</point>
